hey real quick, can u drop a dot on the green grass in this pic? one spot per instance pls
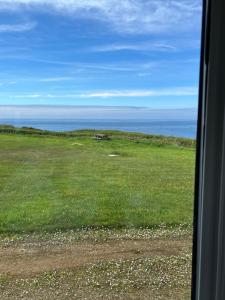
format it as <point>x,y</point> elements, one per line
<point>60,181</point>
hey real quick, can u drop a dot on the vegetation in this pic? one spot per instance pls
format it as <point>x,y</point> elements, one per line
<point>58,181</point>
<point>162,140</point>
<point>97,264</point>
<point>87,218</point>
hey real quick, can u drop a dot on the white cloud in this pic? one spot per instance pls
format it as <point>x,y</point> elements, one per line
<point>28,96</point>
<point>43,112</point>
<point>177,91</point>
<point>55,79</point>
<point>159,47</point>
<point>130,16</point>
<point>144,74</point>
<point>80,67</point>
<point>183,91</point>
<point>17,27</point>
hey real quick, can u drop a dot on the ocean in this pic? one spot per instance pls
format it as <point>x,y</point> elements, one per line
<point>174,128</point>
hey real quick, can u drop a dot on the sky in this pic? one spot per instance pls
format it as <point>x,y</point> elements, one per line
<point>21,113</point>
<point>135,53</point>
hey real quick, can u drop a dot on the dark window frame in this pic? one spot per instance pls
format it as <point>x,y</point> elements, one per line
<point>208,275</point>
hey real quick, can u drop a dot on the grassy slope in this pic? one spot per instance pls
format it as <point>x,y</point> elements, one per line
<point>50,182</point>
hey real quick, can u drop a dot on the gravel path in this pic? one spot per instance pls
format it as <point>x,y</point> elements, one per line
<point>141,264</point>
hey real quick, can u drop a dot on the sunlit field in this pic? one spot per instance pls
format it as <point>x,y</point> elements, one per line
<point>51,183</point>
<point>87,218</point>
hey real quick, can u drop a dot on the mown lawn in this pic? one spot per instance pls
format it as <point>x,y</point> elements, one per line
<point>50,183</point>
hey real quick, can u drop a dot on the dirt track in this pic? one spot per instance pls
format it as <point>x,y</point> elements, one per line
<point>24,259</point>
<point>104,264</point>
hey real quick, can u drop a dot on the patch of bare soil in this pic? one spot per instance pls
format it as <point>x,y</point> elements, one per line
<point>33,258</point>
<point>116,267</point>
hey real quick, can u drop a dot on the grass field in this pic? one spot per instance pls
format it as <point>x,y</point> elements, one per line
<point>52,181</point>
<point>88,219</point>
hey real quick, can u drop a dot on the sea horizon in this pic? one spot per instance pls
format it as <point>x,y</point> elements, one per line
<point>176,128</point>
<point>178,122</point>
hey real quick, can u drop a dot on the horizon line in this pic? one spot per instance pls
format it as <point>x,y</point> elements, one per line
<point>95,106</point>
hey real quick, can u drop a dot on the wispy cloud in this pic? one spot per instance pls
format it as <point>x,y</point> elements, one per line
<point>177,91</point>
<point>151,16</point>
<point>55,79</point>
<point>144,74</point>
<point>29,96</point>
<point>158,47</point>
<point>87,112</point>
<point>80,67</point>
<point>17,27</point>
<point>183,91</point>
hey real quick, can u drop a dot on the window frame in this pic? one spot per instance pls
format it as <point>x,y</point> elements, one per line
<point>208,271</point>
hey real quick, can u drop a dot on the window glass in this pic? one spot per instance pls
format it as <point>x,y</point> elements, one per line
<point>98,109</point>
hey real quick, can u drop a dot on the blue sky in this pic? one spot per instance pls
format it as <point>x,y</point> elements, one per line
<point>100,52</point>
